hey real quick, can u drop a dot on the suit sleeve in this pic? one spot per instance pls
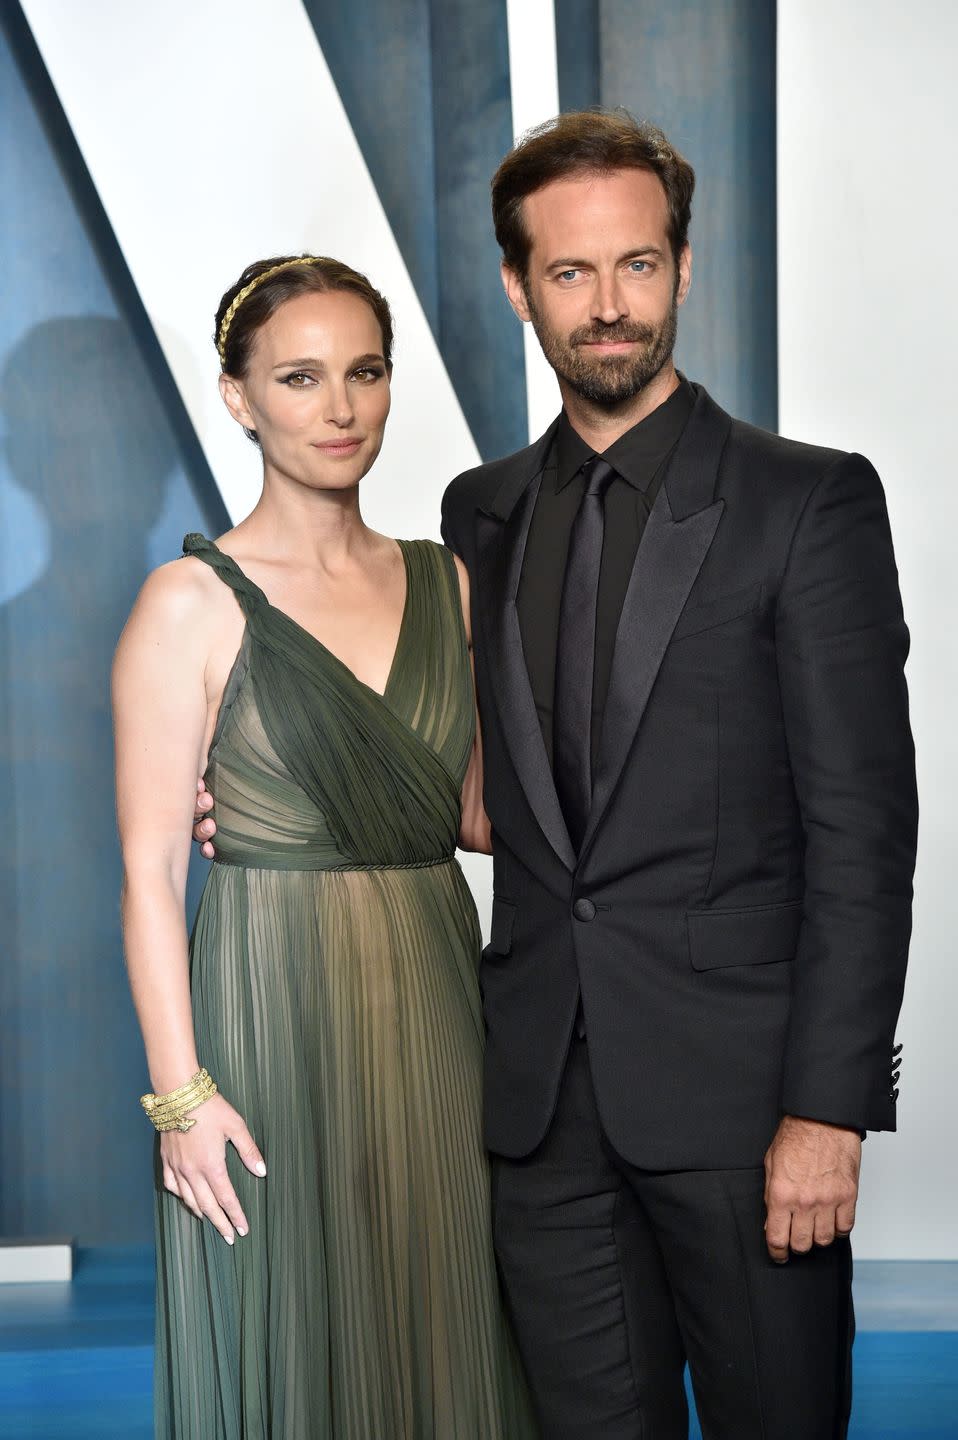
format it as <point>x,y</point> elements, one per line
<point>448,528</point>
<point>841,646</point>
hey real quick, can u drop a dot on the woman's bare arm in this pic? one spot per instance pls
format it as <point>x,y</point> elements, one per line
<point>161,711</point>
<point>475,832</point>
<point>160,716</point>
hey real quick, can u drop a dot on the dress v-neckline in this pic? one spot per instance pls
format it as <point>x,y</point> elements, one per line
<point>315,640</point>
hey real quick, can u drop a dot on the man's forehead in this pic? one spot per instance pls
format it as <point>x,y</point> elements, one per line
<point>598,206</point>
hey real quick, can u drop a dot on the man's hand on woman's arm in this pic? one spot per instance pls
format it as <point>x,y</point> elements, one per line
<point>204,826</point>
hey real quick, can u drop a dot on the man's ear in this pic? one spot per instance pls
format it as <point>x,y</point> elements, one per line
<point>685,273</point>
<point>234,398</point>
<point>515,290</point>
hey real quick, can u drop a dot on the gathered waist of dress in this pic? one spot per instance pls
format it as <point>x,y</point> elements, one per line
<point>324,863</point>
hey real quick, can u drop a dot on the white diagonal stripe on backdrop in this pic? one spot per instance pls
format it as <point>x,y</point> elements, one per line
<point>534,83</point>
<point>215,135</point>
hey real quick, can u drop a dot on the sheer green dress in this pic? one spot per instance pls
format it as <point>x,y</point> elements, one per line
<point>335,1000</point>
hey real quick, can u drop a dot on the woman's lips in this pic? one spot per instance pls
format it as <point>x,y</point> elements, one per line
<point>335,448</point>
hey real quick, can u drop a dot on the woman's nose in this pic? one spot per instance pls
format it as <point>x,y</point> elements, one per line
<point>339,409</point>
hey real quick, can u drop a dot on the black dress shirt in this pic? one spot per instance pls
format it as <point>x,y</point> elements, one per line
<point>639,456</point>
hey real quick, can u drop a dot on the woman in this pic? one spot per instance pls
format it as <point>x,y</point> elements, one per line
<point>319,673</point>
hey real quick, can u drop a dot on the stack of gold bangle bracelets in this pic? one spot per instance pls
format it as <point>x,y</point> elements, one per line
<point>169,1112</point>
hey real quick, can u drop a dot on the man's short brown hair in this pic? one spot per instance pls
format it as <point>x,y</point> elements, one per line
<point>584,142</point>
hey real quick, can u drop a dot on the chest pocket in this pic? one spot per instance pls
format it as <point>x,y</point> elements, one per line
<point>710,613</point>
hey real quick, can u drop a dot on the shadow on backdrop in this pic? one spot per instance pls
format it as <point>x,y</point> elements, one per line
<point>87,440</point>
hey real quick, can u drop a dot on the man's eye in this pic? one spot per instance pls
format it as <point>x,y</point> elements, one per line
<point>568,274</point>
<point>639,266</point>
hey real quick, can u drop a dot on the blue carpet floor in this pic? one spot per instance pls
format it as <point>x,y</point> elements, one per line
<point>76,1360</point>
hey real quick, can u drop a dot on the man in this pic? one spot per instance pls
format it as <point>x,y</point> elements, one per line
<point>700,777</point>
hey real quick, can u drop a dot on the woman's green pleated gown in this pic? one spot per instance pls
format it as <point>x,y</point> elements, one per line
<point>336,1004</point>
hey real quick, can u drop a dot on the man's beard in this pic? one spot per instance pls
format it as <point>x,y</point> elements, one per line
<point>607,380</point>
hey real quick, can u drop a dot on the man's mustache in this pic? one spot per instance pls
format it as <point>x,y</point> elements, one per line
<point>611,334</point>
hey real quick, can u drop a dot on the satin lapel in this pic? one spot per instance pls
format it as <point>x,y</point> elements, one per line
<point>677,537</point>
<point>502,545</point>
<point>668,560</point>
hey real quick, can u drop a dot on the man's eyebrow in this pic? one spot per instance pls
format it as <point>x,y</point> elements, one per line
<point>571,262</point>
<point>643,250</point>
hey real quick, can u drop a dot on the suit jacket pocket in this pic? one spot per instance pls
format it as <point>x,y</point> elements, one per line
<point>708,613</point>
<point>758,935</point>
<point>500,932</point>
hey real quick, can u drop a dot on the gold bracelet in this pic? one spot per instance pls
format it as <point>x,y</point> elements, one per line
<point>168,1112</point>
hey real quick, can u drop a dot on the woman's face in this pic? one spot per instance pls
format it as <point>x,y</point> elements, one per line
<point>316,391</point>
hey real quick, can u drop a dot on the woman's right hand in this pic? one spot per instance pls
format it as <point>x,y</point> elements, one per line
<point>194,1164</point>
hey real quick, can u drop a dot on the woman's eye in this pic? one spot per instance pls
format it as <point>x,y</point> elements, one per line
<point>298,380</point>
<point>367,373</point>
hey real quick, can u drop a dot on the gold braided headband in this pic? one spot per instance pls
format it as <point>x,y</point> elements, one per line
<point>241,295</point>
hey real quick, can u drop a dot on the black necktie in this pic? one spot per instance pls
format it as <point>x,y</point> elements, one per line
<point>575,652</point>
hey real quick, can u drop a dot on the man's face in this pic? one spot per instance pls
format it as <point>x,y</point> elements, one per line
<point>602,289</point>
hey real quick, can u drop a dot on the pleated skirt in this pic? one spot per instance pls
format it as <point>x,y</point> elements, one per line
<point>339,1012</point>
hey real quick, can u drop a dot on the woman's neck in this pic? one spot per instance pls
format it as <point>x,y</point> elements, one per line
<point>309,527</point>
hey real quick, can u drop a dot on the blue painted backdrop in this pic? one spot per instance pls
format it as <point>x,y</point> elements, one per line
<point>704,70</point>
<point>100,474</point>
<point>99,480</point>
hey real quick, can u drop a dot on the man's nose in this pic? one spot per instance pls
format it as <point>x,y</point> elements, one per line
<point>608,300</point>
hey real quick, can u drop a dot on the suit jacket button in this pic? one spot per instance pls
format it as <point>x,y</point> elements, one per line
<point>583,909</point>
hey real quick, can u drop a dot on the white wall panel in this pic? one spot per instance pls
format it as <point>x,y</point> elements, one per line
<point>868,313</point>
<point>534,80</point>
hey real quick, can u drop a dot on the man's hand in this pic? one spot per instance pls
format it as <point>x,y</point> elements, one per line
<point>811,1185</point>
<point>204,826</point>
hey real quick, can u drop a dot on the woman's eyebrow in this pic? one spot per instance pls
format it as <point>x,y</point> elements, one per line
<point>308,363</point>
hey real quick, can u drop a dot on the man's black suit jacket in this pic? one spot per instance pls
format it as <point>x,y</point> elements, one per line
<point>739,914</point>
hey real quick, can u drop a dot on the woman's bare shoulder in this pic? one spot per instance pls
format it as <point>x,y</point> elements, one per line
<point>181,601</point>
<point>179,591</point>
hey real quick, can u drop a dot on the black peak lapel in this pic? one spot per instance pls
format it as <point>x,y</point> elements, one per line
<point>677,538</point>
<point>516,472</point>
<point>693,469</point>
<point>502,533</point>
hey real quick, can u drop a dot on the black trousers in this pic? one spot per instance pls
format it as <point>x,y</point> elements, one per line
<point>615,1276</point>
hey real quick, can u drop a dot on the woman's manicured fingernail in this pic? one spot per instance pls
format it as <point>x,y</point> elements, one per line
<point>260,1168</point>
